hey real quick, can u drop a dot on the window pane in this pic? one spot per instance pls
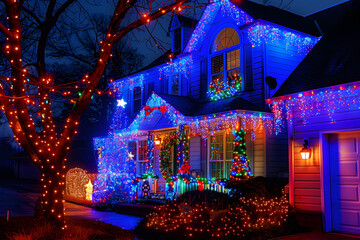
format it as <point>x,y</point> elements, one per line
<point>216,169</point>
<point>228,37</point>
<point>142,150</point>
<point>140,168</point>
<point>227,169</point>
<point>229,146</point>
<point>175,84</point>
<point>233,59</point>
<point>150,89</point>
<point>219,76</point>
<point>137,99</point>
<point>217,64</point>
<point>132,149</point>
<point>216,147</point>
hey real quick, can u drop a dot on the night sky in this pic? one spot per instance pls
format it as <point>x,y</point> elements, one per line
<point>146,45</point>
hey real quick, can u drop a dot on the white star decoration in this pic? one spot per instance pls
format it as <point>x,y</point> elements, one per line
<point>131,156</point>
<point>121,103</point>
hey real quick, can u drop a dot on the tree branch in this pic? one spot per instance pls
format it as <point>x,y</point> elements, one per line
<point>62,9</point>
<point>5,31</point>
<point>151,17</point>
<point>33,15</point>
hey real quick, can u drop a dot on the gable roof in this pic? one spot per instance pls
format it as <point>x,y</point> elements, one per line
<point>281,17</point>
<point>334,60</point>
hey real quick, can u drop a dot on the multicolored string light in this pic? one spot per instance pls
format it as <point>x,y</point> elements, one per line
<point>313,103</point>
<point>240,168</point>
<point>221,89</point>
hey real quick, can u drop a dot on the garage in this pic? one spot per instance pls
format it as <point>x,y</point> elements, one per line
<point>344,162</point>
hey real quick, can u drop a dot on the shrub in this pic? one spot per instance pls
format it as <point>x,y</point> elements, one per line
<point>249,216</point>
<point>214,200</point>
<point>256,187</point>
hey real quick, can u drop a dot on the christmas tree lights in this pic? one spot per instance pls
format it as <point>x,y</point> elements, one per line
<point>116,179</point>
<point>240,164</point>
<point>183,154</point>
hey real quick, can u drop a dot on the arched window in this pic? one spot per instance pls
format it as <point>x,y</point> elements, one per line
<point>225,56</point>
<point>227,38</point>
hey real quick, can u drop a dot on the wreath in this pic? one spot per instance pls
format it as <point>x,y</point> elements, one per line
<point>165,156</point>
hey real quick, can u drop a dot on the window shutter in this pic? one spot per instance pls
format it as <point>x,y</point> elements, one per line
<point>248,67</point>
<point>203,155</point>
<point>203,78</point>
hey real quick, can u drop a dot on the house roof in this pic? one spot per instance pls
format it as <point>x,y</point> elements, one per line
<point>328,18</point>
<point>334,60</point>
<point>191,108</point>
<point>278,16</point>
<point>183,21</point>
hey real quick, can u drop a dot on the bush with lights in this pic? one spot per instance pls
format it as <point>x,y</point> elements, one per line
<point>244,217</point>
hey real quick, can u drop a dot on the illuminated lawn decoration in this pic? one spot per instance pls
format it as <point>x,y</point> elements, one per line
<point>313,103</point>
<point>240,164</point>
<point>116,179</point>
<point>220,89</point>
<point>89,190</point>
<point>267,33</point>
<point>76,183</point>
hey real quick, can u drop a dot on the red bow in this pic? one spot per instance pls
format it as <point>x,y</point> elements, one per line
<point>149,109</point>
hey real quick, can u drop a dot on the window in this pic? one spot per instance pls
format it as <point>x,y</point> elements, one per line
<point>132,149</point>
<point>221,153</point>
<point>150,88</point>
<point>225,57</point>
<point>137,99</point>
<point>141,161</point>
<point>174,84</point>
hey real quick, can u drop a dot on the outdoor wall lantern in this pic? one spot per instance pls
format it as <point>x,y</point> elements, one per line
<point>306,151</point>
<point>157,141</point>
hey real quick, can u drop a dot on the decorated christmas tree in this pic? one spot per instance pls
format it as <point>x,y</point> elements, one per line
<point>116,179</point>
<point>183,154</point>
<point>240,164</point>
<point>119,120</point>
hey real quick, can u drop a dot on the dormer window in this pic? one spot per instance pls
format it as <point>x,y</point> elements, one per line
<point>174,84</point>
<point>225,57</point>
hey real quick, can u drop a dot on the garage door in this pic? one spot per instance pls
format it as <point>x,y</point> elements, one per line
<point>345,182</point>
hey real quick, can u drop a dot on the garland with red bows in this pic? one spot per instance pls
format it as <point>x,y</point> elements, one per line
<point>149,110</point>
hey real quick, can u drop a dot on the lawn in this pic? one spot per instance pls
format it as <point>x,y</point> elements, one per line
<point>30,228</point>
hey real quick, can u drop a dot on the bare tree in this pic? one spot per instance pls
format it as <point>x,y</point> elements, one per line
<point>47,148</point>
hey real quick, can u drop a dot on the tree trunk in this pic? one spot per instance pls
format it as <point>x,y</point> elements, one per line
<point>53,188</point>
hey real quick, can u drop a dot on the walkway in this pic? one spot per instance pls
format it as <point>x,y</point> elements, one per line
<point>319,236</point>
<point>123,221</point>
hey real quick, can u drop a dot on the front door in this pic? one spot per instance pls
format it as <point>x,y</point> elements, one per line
<point>345,182</point>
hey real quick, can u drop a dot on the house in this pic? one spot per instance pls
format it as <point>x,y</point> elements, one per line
<point>321,102</point>
<point>212,80</point>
